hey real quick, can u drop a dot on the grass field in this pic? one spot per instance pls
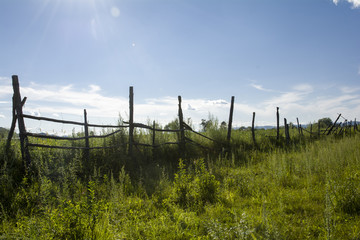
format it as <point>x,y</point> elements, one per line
<point>307,189</point>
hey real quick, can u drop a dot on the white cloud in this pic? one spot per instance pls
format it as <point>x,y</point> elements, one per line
<point>190,108</point>
<point>68,103</point>
<point>349,89</point>
<point>259,87</point>
<point>307,88</point>
<point>355,3</point>
<point>94,88</point>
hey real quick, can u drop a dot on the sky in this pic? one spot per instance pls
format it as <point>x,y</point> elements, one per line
<point>302,56</point>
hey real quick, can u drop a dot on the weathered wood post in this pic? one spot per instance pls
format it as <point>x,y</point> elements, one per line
<point>277,124</point>
<point>153,141</point>
<point>131,121</point>
<point>253,128</point>
<point>87,145</point>
<point>182,132</point>
<point>311,131</point>
<point>287,135</point>
<point>230,119</point>
<point>319,128</point>
<point>22,130</point>
<point>298,125</point>
<point>333,124</point>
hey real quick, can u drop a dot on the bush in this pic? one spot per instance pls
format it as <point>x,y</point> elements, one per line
<point>194,189</point>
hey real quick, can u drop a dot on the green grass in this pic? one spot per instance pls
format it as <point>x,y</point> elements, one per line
<point>307,189</point>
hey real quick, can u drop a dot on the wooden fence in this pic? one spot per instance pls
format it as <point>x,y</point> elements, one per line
<point>19,116</point>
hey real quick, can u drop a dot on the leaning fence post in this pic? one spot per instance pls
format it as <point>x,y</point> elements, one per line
<point>333,124</point>
<point>286,131</point>
<point>230,119</point>
<point>277,124</point>
<point>298,125</point>
<point>182,133</point>
<point>22,130</point>
<point>131,120</point>
<point>86,130</point>
<point>253,128</point>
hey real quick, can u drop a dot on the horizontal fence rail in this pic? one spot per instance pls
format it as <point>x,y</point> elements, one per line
<point>18,116</point>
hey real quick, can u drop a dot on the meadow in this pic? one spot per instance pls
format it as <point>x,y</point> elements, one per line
<point>308,188</point>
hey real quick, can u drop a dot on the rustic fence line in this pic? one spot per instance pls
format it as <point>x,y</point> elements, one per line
<point>19,116</point>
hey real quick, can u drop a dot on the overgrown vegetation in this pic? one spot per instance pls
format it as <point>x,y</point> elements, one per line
<point>307,189</point>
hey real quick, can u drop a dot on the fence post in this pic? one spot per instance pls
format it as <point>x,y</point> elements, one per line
<point>277,124</point>
<point>333,124</point>
<point>298,126</point>
<point>230,119</point>
<point>253,128</point>
<point>131,120</point>
<point>319,128</point>
<point>18,106</point>
<point>287,135</point>
<point>86,130</point>
<point>182,133</point>
<point>153,141</point>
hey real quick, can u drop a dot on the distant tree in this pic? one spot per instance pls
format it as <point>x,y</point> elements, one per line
<point>205,124</point>
<point>173,125</point>
<point>325,122</point>
<point>223,125</point>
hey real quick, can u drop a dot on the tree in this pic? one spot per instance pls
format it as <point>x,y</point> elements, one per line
<point>325,122</point>
<point>173,125</point>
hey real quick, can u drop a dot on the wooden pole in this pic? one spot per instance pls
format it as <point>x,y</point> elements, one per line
<point>182,133</point>
<point>230,118</point>
<point>319,128</point>
<point>253,128</point>
<point>277,124</point>
<point>298,125</point>
<point>286,126</point>
<point>22,130</point>
<point>333,124</point>
<point>153,141</point>
<point>311,131</point>
<point>131,120</point>
<point>86,130</point>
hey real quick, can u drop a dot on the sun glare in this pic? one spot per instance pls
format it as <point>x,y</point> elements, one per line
<point>115,12</point>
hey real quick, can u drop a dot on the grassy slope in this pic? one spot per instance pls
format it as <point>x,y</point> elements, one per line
<point>307,193</point>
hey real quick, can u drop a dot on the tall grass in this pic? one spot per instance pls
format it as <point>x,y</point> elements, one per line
<point>307,189</point>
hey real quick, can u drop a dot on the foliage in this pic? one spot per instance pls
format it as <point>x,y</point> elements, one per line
<point>305,189</point>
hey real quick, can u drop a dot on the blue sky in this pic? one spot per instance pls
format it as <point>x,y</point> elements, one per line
<point>302,56</point>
